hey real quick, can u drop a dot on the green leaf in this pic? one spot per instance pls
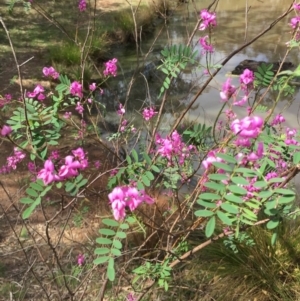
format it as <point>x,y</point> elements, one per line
<point>146,181</point>
<point>237,190</point>
<point>101,251</point>
<point>121,235</point>
<point>107,232</point>
<point>250,214</point>
<point>117,244</point>
<point>265,194</point>
<point>36,186</point>
<point>227,158</point>
<point>206,204</point>
<point>284,191</point>
<point>230,208</point>
<point>111,269</point>
<point>32,192</point>
<point>210,226</point>
<point>286,199</point>
<point>116,252</point>
<point>223,166</point>
<point>135,155</point>
<point>101,260</point>
<point>218,177</point>
<point>204,213</point>
<point>104,241</point>
<point>26,201</point>
<point>224,218</point>
<point>215,186</point>
<point>233,198</point>
<point>247,172</point>
<point>124,226</point>
<point>273,223</point>
<point>149,175</point>
<point>260,184</point>
<point>239,181</point>
<point>209,196</point>
<point>273,239</point>
<point>110,222</point>
<point>155,168</point>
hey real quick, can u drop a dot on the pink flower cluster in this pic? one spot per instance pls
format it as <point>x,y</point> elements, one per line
<point>211,157</point>
<point>3,101</point>
<point>82,5</point>
<point>12,161</point>
<point>172,147</point>
<point>278,119</point>
<point>50,72</point>
<point>205,45</point>
<point>290,137</point>
<point>246,128</point>
<point>6,130</point>
<point>70,168</point>
<point>227,90</point>
<point>127,196</point>
<point>111,67</point>
<point>148,113</point>
<point>247,77</point>
<point>208,19</point>
<point>80,260</point>
<point>38,93</point>
<point>76,89</point>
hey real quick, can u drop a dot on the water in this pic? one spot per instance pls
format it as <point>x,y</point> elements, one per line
<point>231,32</point>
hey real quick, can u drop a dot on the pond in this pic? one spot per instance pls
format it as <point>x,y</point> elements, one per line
<point>237,23</point>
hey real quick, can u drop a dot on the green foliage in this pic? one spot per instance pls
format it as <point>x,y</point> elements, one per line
<point>111,246</point>
<point>72,187</point>
<point>36,190</point>
<point>233,242</point>
<point>264,75</point>
<point>161,272</point>
<point>11,4</point>
<point>67,53</point>
<point>199,135</point>
<point>175,59</point>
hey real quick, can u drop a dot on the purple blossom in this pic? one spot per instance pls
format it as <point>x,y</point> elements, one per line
<point>148,113</point>
<point>295,22</point>
<point>296,6</point>
<point>227,90</point>
<point>247,77</point>
<point>79,108</point>
<point>67,115</point>
<point>111,67</point>
<point>241,102</point>
<point>248,127</point>
<point>50,72</point>
<point>206,47</point>
<point>208,19</point>
<point>76,89</point>
<point>93,87</point>
<point>211,157</point>
<point>278,119</point>
<point>82,5</point>
<point>37,92</point>
<point>6,130</point>
<point>48,174</point>
<point>127,196</point>
<point>121,110</point>
<point>80,259</point>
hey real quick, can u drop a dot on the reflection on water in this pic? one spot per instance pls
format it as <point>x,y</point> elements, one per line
<point>234,27</point>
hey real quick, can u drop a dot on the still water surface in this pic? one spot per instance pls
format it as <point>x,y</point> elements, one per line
<point>233,29</point>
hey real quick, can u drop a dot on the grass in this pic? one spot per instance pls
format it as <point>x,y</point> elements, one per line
<point>261,272</point>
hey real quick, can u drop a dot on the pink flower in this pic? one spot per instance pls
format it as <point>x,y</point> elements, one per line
<point>296,6</point>
<point>79,153</point>
<point>208,19</point>
<point>76,89</point>
<point>241,102</point>
<point>206,47</point>
<point>247,77</point>
<point>6,130</point>
<point>93,87</point>
<point>111,67</point>
<point>80,259</point>
<point>148,113</point>
<point>248,127</point>
<point>50,72</point>
<point>37,92</point>
<point>79,108</point>
<point>127,196</point>
<point>258,154</point>
<point>278,119</point>
<point>121,110</point>
<point>295,21</point>
<point>67,115</point>
<point>211,157</point>
<point>227,90</point>
<point>82,5</point>
<point>47,174</point>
